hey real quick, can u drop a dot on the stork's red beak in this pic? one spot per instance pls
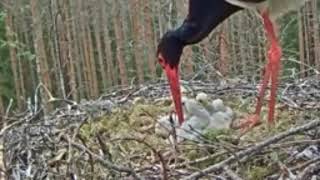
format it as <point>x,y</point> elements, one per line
<point>173,78</point>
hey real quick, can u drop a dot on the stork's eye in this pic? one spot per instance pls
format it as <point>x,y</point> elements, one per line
<point>162,62</point>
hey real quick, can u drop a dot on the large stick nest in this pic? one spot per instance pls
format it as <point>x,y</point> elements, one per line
<point>113,138</point>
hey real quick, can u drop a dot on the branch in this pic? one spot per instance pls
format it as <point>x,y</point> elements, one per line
<point>198,161</point>
<point>309,171</point>
<point>232,174</point>
<point>254,149</point>
<point>102,161</point>
<point>155,151</point>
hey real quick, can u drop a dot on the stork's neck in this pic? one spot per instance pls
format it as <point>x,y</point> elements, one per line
<point>203,17</point>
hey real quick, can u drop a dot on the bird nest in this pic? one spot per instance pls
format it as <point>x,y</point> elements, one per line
<point>113,138</point>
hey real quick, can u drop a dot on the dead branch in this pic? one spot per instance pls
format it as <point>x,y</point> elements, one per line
<point>155,151</point>
<point>255,148</point>
<point>232,174</point>
<point>102,161</point>
<point>309,171</point>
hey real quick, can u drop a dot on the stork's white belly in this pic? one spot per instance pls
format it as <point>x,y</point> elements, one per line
<point>276,8</point>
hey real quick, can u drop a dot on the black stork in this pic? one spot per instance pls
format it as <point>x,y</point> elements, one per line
<point>203,17</point>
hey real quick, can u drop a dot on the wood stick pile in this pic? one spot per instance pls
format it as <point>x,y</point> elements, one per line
<point>56,146</point>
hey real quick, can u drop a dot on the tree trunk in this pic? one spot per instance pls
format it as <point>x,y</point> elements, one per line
<point>41,59</point>
<point>2,113</point>
<point>301,44</point>
<point>107,45</point>
<point>91,60</point>
<point>187,56</point>
<point>98,37</point>
<point>306,36</point>
<point>150,37</point>
<point>71,74</point>
<point>86,54</point>
<point>28,74</point>
<point>120,44</point>
<point>242,45</point>
<point>13,58</point>
<point>138,50</point>
<point>223,47</point>
<point>77,51</point>
<point>316,34</point>
<point>61,59</point>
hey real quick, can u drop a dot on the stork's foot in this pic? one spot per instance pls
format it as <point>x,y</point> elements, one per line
<point>248,123</point>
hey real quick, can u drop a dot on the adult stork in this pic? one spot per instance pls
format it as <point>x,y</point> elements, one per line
<point>203,17</point>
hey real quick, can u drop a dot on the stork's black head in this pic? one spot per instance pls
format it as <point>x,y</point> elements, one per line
<point>169,50</point>
<point>169,53</point>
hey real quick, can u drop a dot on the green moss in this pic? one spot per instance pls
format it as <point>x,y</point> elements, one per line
<point>138,121</point>
<point>221,134</point>
<point>127,123</point>
<point>257,173</point>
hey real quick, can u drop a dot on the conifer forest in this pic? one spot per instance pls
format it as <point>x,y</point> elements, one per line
<point>82,95</point>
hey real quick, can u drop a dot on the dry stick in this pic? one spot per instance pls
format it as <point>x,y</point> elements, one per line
<point>299,167</point>
<point>232,174</point>
<point>309,171</point>
<point>198,161</point>
<point>296,143</point>
<point>305,164</point>
<point>16,123</point>
<point>154,150</point>
<point>102,161</point>
<point>251,150</point>
<point>90,156</point>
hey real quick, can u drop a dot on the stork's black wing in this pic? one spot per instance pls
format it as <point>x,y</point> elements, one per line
<point>203,17</point>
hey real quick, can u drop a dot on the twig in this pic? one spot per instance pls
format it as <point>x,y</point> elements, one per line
<point>90,156</point>
<point>102,161</point>
<point>174,134</point>
<point>252,150</point>
<point>154,150</point>
<point>305,164</point>
<point>8,108</point>
<point>296,168</point>
<point>231,174</point>
<point>309,171</point>
<point>306,65</point>
<point>104,148</point>
<point>5,119</point>
<point>198,161</point>
<point>6,128</point>
<point>296,143</point>
<point>286,172</point>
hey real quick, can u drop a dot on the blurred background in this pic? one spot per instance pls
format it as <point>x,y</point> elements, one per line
<point>82,49</point>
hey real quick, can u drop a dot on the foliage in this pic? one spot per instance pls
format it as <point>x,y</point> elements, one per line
<point>6,79</point>
<point>64,36</point>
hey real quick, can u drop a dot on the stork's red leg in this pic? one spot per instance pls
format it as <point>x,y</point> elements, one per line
<point>254,120</point>
<point>263,87</point>
<point>271,71</point>
<point>274,55</point>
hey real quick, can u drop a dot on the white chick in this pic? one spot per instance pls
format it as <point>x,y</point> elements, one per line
<point>199,115</point>
<point>213,106</point>
<point>221,120</point>
<point>197,119</point>
<point>220,116</point>
<point>163,126</point>
<point>186,132</point>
